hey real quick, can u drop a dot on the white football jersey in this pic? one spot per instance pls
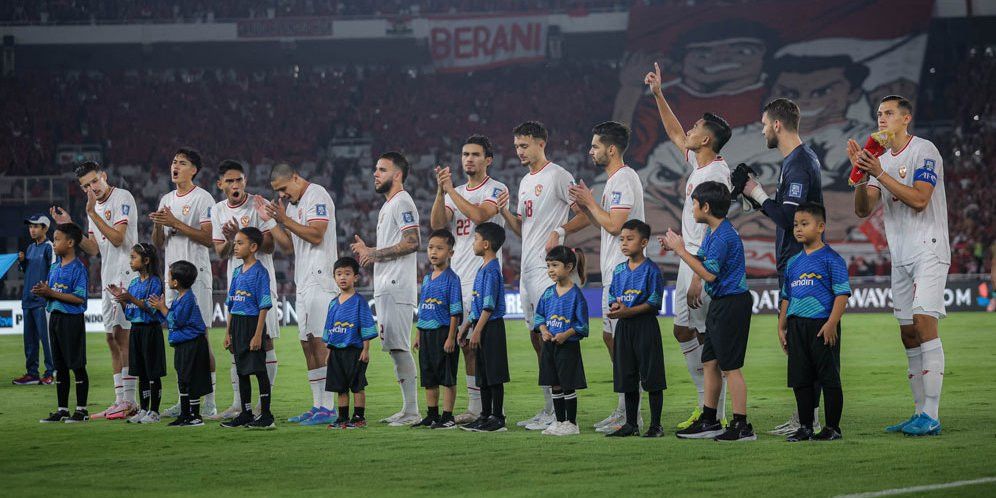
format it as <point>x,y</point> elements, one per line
<point>464,262</point>
<point>544,204</point>
<point>716,171</point>
<point>397,277</point>
<point>910,233</point>
<point>623,190</point>
<point>115,262</point>
<point>313,263</point>
<point>192,209</point>
<point>245,215</point>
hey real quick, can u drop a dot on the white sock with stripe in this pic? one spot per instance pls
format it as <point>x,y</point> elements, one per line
<point>118,388</point>
<point>692,351</point>
<point>914,358</point>
<point>128,383</point>
<point>473,395</point>
<point>406,373</point>
<point>932,376</point>
<point>271,366</point>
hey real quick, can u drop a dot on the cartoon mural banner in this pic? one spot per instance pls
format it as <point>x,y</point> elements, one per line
<point>835,58</point>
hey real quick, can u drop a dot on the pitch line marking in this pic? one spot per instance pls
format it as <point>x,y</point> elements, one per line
<point>918,489</point>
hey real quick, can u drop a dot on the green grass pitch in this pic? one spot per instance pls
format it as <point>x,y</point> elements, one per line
<point>104,458</point>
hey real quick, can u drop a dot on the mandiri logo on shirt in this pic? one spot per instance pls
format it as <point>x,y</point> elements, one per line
<point>555,320</point>
<point>408,217</point>
<point>806,280</point>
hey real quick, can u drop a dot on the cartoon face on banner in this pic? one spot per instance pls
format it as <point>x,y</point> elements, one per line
<point>834,58</point>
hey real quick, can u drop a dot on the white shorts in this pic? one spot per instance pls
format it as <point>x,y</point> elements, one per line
<point>531,287</point>
<point>394,321</point>
<point>608,324</point>
<point>112,313</point>
<point>918,288</point>
<point>205,301</point>
<point>683,315</point>
<point>272,321</point>
<point>467,293</point>
<point>312,305</point>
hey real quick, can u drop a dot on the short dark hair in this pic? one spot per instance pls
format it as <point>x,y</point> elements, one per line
<point>254,235</point>
<point>399,161</point>
<point>613,133</point>
<point>484,142</point>
<point>230,164</point>
<point>86,167</point>
<point>192,155</point>
<point>784,111</point>
<point>280,171</point>
<point>719,128</point>
<point>533,129</point>
<point>73,231</point>
<point>814,208</point>
<point>716,195</point>
<point>146,250</point>
<point>641,228</point>
<point>347,262</point>
<point>493,233</point>
<point>444,234</point>
<point>901,101</point>
<point>184,272</point>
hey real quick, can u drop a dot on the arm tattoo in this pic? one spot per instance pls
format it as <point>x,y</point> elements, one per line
<point>409,244</point>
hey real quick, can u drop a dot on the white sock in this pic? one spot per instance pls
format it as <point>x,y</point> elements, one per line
<point>129,384</point>
<point>316,379</point>
<point>933,376</point>
<point>118,389</point>
<point>914,357</point>
<point>328,400</point>
<point>406,373</point>
<point>621,407</point>
<point>209,398</point>
<point>548,399</point>
<point>721,405</point>
<point>692,351</point>
<point>473,395</point>
<point>234,375</point>
<point>271,366</point>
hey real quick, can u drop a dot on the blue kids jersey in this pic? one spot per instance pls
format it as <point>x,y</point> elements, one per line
<point>349,323</point>
<point>441,298</point>
<point>644,284</point>
<point>68,279</point>
<point>37,261</point>
<point>813,281</point>
<point>184,319</point>
<point>250,291</point>
<point>562,312</point>
<point>142,290</point>
<point>489,292</point>
<point>722,254</point>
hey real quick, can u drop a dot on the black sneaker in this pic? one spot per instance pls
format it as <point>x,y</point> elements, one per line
<point>80,415</point>
<point>447,423</point>
<point>828,434</point>
<point>493,424</point>
<point>243,419</point>
<point>425,423</point>
<point>802,434</point>
<point>738,430</point>
<point>56,416</point>
<point>701,429</point>
<point>263,421</point>
<point>192,422</point>
<point>179,421</point>
<point>625,431</point>
<point>654,431</point>
<point>475,426</point>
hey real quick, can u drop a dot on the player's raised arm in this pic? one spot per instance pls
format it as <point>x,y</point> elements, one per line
<point>917,196</point>
<point>478,213</point>
<point>865,199</point>
<point>514,221</point>
<point>671,124</point>
<point>440,217</point>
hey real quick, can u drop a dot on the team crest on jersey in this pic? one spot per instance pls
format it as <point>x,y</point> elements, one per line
<point>795,190</point>
<point>124,209</point>
<point>107,215</point>
<point>688,189</point>
<point>408,217</point>
<point>496,192</point>
<point>902,171</point>
<point>538,190</point>
<point>245,221</point>
<point>616,198</point>
<point>186,210</point>
<point>928,164</point>
<point>321,210</point>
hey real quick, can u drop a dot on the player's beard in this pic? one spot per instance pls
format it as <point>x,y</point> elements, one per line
<point>384,187</point>
<point>771,141</point>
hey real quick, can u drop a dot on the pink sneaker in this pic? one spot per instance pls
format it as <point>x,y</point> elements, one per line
<point>125,410</point>
<point>103,415</point>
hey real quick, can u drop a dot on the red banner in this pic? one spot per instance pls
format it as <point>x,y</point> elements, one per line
<point>484,42</point>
